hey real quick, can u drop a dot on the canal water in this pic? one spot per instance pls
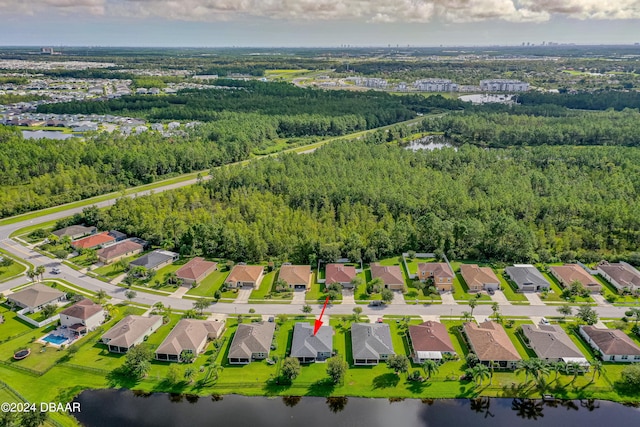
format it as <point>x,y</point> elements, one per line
<point>106,408</point>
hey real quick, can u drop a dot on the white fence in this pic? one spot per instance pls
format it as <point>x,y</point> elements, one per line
<point>21,315</point>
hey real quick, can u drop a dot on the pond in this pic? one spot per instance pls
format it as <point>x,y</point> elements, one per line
<point>102,408</point>
<point>430,142</point>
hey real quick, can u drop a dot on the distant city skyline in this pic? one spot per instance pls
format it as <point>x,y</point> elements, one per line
<point>317,23</point>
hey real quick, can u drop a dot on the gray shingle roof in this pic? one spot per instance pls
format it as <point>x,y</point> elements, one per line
<point>153,259</point>
<point>370,340</point>
<point>525,274</point>
<point>550,342</point>
<point>251,338</point>
<point>74,230</point>
<point>305,344</point>
<point>612,341</point>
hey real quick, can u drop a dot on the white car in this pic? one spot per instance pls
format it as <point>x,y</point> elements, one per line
<point>544,321</point>
<point>55,270</point>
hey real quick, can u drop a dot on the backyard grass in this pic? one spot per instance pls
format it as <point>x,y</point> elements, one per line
<point>317,293</point>
<point>412,263</point>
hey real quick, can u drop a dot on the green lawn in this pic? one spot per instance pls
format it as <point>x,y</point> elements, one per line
<point>361,295</point>
<point>318,293</point>
<point>211,284</point>
<point>13,270</point>
<point>462,294</point>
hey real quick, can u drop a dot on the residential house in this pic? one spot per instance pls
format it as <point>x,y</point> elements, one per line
<point>245,276</point>
<point>35,297</point>
<point>439,272</point>
<point>430,341</point>
<point>82,317</point>
<point>130,331</point>
<point>551,343</point>
<point>93,241</point>
<point>155,259</point>
<point>621,275</point>
<point>339,273</point>
<point>252,341</point>
<point>116,252</point>
<point>479,278</point>
<point>75,231</point>
<point>391,275</point>
<point>196,270</point>
<point>309,348</point>
<point>569,273</point>
<point>527,278</point>
<point>188,336</point>
<point>491,344</point>
<point>118,235</point>
<point>370,343</point>
<point>297,277</point>
<point>612,344</point>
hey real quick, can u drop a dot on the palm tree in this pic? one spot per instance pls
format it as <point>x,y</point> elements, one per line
<point>40,271</point>
<point>528,367</point>
<point>565,310</point>
<point>111,310</point>
<point>495,307</point>
<point>101,295</point>
<point>597,367</point>
<point>480,372</point>
<point>575,368</point>
<point>492,365</point>
<point>466,316</point>
<point>472,304</point>
<point>558,367</point>
<point>189,374</point>
<point>542,370</point>
<point>31,274</point>
<point>430,367</point>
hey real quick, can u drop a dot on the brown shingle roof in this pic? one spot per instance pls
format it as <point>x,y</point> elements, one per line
<point>476,276</point>
<point>36,295</point>
<point>295,274</point>
<point>612,341</point>
<point>119,249</point>
<point>624,274</point>
<point>189,334</point>
<point>339,273</point>
<point>127,331</point>
<point>391,274</point>
<point>195,268</point>
<point>490,342</point>
<point>93,241</point>
<point>440,269</point>
<point>83,309</point>
<point>245,273</point>
<point>572,272</point>
<point>430,336</point>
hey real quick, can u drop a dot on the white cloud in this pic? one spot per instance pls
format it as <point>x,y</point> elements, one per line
<point>358,10</point>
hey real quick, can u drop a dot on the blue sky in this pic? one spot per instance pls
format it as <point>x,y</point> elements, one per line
<point>317,22</point>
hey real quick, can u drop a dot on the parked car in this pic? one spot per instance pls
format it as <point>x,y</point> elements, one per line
<point>55,270</point>
<point>375,303</point>
<point>491,291</point>
<point>544,321</point>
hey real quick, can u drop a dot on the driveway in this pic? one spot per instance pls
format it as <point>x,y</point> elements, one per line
<point>534,298</point>
<point>243,296</point>
<point>599,299</point>
<point>499,297</point>
<point>447,298</point>
<point>398,298</point>
<point>179,293</point>
<point>347,296</point>
<point>298,297</point>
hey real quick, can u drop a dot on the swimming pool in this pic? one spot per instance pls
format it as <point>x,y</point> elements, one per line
<point>55,339</point>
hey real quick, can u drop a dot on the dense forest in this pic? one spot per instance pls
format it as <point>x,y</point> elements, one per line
<point>511,128</point>
<point>599,100</point>
<point>41,173</point>
<point>376,108</point>
<point>358,199</point>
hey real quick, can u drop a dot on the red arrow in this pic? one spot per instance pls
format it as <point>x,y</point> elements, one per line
<point>318,323</point>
